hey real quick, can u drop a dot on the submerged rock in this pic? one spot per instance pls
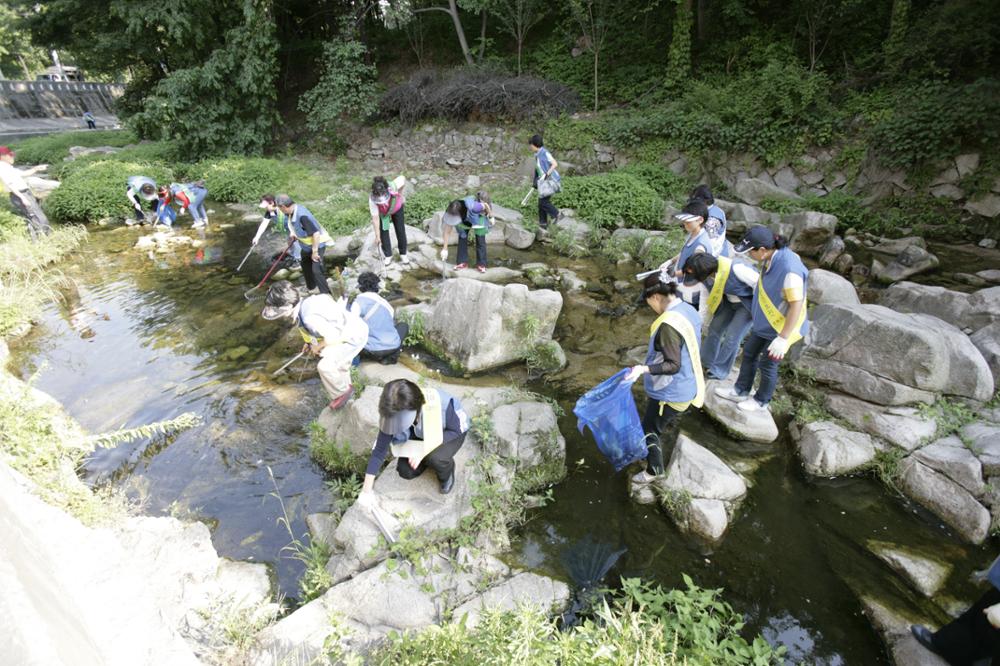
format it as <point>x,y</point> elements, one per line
<point>925,574</point>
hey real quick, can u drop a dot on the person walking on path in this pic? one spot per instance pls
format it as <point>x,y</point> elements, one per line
<point>473,214</point>
<point>672,373</point>
<point>385,336</point>
<point>21,198</point>
<point>546,180</point>
<point>330,331</point>
<point>386,207</point>
<point>140,186</point>
<point>271,215</point>
<point>423,428</point>
<point>313,238</point>
<point>191,196</point>
<point>974,636</point>
<point>726,297</point>
<point>89,118</point>
<point>779,317</point>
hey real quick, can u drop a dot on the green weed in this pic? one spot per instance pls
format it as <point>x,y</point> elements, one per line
<point>337,459</point>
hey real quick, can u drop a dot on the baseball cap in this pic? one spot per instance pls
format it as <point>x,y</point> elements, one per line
<point>4,150</point>
<point>284,200</point>
<point>758,236</point>
<point>687,217</point>
<point>393,424</point>
<point>280,301</point>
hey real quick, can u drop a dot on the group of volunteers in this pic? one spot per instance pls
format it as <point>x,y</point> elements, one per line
<point>764,311</point>
<point>160,201</point>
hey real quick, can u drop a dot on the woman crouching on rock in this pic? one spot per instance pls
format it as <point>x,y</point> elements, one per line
<point>779,317</point>
<point>673,376</point>
<point>423,428</point>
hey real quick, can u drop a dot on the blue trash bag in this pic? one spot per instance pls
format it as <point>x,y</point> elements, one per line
<point>165,214</point>
<point>609,411</point>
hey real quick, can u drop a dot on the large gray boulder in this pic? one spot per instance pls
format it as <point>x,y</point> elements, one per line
<point>987,341</point>
<point>827,449</point>
<point>753,427</point>
<point>527,432</point>
<point>891,358</point>
<point>704,491</point>
<point>831,251</point>
<point>983,439</point>
<point>810,231</point>
<point>754,191</point>
<point>911,261</point>
<point>481,326</point>
<point>951,457</point>
<point>904,427</point>
<point>827,287</point>
<point>984,308</point>
<point>946,304</point>
<point>356,424</point>
<point>948,500</point>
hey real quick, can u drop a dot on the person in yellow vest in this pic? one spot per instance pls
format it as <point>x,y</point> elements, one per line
<point>303,227</point>
<point>672,373</point>
<point>779,317</point>
<point>422,428</point>
<point>727,297</point>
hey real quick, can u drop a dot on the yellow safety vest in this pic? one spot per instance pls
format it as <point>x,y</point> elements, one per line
<point>775,317</point>
<point>433,429</point>
<point>679,323</point>
<point>719,288</point>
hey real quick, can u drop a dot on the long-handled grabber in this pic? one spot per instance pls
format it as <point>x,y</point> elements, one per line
<point>245,259</point>
<point>250,295</point>
<point>285,366</point>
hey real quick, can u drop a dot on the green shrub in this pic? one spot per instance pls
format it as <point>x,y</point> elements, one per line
<point>54,148</point>
<point>243,179</point>
<point>97,190</point>
<point>334,457</point>
<point>605,199</point>
<point>664,182</point>
<point>423,203</point>
<point>347,86</point>
<point>11,225</point>
<point>150,152</point>
<point>642,624</point>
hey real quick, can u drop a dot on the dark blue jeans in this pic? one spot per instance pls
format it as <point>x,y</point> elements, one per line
<point>755,357</point>
<point>463,247</point>
<point>728,328</point>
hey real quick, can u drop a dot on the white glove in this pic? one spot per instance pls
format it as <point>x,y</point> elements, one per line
<point>635,372</point>
<point>181,212</point>
<point>776,350</point>
<point>993,615</point>
<point>443,254</point>
<point>366,499</point>
<point>137,207</point>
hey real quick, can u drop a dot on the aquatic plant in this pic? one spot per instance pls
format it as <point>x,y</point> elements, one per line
<point>185,421</point>
<point>314,555</point>
<point>346,490</point>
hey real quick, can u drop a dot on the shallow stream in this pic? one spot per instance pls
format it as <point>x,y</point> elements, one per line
<point>143,339</point>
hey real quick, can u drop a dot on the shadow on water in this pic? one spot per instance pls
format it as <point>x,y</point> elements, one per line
<point>145,339</point>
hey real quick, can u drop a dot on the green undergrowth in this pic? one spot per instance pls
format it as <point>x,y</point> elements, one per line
<point>335,457</point>
<point>314,555</point>
<point>641,624</point>
<point>53,148</point>
<point>96,190</point>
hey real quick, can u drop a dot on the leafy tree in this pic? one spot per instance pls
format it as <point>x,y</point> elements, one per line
<point>897,32</point>
<point>227,103</point>
<point>517,18</point>
<point>346,86</point>
<point>17,53</point>
<point>679,57</point>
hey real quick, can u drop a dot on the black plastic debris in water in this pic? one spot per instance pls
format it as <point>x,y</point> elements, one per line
<point>587,561</point>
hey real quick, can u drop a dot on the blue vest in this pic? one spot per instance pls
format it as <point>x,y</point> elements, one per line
<point>719,214</point>
<point>418,427</point>
<point>543,160</point>
<point>681,386</point>
<point>295,224</point>
<point>382,333</point>
<point>737,287</point>
<point>701,240</point>
<point>772,280</point>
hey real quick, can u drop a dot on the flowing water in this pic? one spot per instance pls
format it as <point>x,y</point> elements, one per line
<point>145,338</point>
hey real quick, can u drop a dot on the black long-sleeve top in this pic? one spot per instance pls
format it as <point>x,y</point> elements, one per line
<point>452,429</point>
<point>669,342</point>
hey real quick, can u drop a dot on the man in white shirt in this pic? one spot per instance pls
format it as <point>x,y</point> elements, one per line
<point>330,330</point>
<point>21,198</point>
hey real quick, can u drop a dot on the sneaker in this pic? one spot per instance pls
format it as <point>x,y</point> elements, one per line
<point>924,636</point>
<point>460,266</point>
<point>730,393</point>
<point>448,484</point>
<point>200,224</point>
<point>751,405</point>
<point>404,259</point>
<point>387,260</point>
<point>481,268</point>
<point>341,400</point>
<point>643,477</point>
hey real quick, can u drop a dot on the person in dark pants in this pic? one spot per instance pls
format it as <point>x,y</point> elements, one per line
<point>545,170</point>
<point>385,336</point>
<point>140,186</point>
<point>471,215</point>
<point>21,197</point>
<point>672,374</point>
<point>974,636</point>
<point>89,118</point>
<point>304,228</point>
<point>778,317</point>
<point>386,205</point>
<point>423,428</point>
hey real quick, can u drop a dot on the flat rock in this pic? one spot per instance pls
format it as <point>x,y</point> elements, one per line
<point>911,261</point>
<point>901,426</point>
<point>983,440</point>
<point>951,457</point>
<point>925,574</point>
<point>753,427</point>
<point>990,275</point>
<point>892,358</point>
<point>947,304</point>
<point>695,470</point>
<point>826,287</point>
<point>894,246</point>
<point>827,449</point>
<point>987,341</point>
<point>523,588</point>
<point>895,631</point>
<point>948,500</point>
